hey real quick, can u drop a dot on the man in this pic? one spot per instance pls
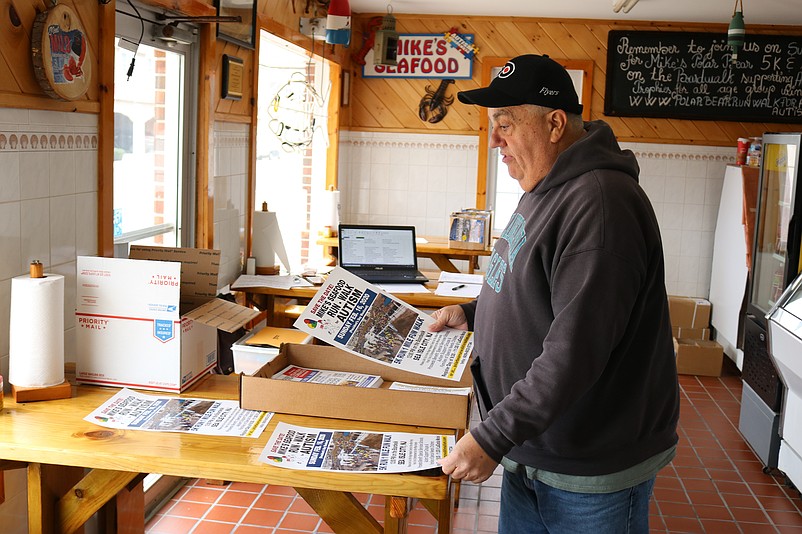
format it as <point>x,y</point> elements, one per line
<point>573,365</point>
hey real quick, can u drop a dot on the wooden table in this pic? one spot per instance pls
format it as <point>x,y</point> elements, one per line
<point>436,249</point>
<point>55,444</point>
<point>267,298</point>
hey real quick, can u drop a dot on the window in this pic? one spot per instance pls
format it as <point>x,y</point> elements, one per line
<point>153,130</point>
<point>292,142</point>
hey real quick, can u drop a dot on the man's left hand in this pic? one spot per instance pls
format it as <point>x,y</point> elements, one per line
<point>468,461</point>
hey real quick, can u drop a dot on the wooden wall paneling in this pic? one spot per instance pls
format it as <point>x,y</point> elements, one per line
<point>15,49</point>
<point>207,83</point>
<point>107,27</point>
<point>333,126</point>
<point>88,16</point>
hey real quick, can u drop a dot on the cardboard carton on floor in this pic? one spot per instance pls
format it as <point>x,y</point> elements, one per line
<point>690,333</point>
<point>689,312</point>
<point>151,324</point>
<point>382,405</point>
<point>698,357</point>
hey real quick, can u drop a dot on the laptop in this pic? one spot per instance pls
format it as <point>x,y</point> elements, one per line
<point>380,253</point>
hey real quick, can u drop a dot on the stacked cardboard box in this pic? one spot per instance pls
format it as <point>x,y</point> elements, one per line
<point>690,324</point>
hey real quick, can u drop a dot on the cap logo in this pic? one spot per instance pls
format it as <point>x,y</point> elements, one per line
<point>548,92</point>
<point>507,71</point>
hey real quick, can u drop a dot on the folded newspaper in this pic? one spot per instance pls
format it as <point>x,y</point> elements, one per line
<point>325,376</point>
<point>296,447</point>
<point>351,314</point>
<point>132,410</point>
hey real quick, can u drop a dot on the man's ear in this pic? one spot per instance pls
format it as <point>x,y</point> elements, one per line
<point>557,121</point>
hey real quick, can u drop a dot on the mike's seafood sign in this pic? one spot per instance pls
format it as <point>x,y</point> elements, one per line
<point>423,55</point>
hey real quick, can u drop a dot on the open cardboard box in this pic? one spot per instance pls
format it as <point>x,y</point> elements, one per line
<point>382,405</point>
<point>151,323</point>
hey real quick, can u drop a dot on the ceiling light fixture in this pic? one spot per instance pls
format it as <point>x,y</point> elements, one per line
<point>736,33</point>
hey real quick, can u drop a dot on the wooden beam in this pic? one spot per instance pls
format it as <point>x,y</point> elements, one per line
<point>341,511</point>
<point>204,201</point>
<point>88,496</point>
<point>105,149</point>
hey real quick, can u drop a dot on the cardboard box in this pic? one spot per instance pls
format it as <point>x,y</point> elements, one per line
<point>256,348</point>
<point>690,333</point>
<point>261,392</point>
<point>150,324</point>
<point>698,357</point>
<point>689,312</point>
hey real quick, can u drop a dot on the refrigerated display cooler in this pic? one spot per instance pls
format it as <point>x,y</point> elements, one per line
<point>785,349</point>
<point>775,264</point>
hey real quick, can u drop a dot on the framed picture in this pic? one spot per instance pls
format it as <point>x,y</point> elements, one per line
<point>233,72</point>
<point>242,33</point>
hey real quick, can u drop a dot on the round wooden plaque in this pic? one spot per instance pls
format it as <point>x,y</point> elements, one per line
<point>60,53</point>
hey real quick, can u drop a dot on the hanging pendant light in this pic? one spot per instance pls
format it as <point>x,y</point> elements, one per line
<point>338,23</point>
<point>737,31</point>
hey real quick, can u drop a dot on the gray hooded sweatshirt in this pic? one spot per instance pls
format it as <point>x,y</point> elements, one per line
<point>574,365</point>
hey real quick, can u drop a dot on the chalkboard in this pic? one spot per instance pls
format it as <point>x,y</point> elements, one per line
<point>690,75</point>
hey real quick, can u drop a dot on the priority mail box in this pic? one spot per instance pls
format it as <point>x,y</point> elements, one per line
<point>131,327</point>
<point>380,405</point>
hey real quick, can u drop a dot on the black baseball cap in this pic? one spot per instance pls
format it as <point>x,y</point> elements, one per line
<point>528,79</point>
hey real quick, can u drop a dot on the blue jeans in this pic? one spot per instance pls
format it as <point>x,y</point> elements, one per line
<point>531,507</point>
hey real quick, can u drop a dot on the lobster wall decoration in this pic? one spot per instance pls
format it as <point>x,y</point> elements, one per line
<point>434,105</point>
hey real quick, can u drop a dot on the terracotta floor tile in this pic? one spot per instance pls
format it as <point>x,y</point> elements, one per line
<point>228,514</point>
<point>189,509</point>
<point>250,529</point>
<point>267,518</point>
<point>273,502</point>
<point>238,498</point>
<point>213,527</point>
<point>714,526</point>
<point>173,525</point>
<point>305,522</point>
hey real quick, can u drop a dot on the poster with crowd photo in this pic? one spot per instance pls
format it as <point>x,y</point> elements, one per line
<point>358,451</point>
<point>132,410</point>
<point>356,316</point>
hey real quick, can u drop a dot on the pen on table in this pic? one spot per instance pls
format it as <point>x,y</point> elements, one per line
<point>457,287</point>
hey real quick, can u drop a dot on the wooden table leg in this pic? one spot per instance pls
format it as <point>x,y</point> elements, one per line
<point>46,485</point>
<point>341,511</point>
<point>443,263</point>
<point>442,510</point>
<point>396,513</point>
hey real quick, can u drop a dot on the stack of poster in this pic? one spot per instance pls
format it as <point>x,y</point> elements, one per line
<point>324,376</point>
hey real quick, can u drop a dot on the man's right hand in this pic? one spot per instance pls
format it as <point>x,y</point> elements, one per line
<point>452,316</point>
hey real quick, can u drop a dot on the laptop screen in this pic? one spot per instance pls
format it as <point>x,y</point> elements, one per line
<point>377,246</point>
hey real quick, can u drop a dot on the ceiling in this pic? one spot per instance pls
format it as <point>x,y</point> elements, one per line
<point>784,12</point>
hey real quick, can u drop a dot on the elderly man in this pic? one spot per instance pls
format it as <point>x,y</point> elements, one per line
<point>574,367</point>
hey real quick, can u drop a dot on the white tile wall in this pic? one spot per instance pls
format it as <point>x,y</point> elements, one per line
<point>230,189</point>
<point>420,179</point>
<point>48,212</point>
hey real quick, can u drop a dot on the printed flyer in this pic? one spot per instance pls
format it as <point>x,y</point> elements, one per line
<point>316,449</point>
<point>356,316</point>
<point>136,411</point>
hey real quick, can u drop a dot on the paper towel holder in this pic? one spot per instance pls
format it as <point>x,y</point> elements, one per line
<point>267,269</point>
<point>30,394</point>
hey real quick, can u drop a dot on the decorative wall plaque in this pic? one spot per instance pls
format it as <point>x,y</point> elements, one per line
<point>60,53</point>
<point>233,74</point>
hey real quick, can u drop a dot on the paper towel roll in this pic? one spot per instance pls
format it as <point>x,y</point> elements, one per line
<point>330,209</point>
<point>36,331</point>
<point>266,241</point>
